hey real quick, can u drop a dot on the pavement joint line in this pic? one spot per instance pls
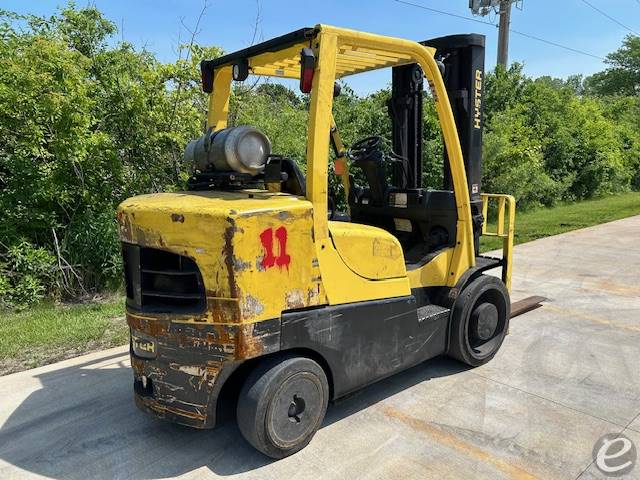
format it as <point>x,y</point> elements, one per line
<point>584,470</point>
<point>551,400</point>
<point>628,427</point>
<point>593,460</point>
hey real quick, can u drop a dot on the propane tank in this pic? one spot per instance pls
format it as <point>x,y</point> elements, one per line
<point>243,149</point>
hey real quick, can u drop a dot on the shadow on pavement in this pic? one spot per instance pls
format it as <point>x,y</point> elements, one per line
<point>83,423</point>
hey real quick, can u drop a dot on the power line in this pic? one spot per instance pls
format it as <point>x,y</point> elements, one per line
<point>610,17</point>
<point>549,42</point>
<point>448,13</point>
<point>527,35</point>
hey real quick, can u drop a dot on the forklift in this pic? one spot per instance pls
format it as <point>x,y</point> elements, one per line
<point>248,287</point>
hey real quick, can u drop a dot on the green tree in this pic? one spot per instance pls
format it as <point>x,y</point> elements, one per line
<point>623,75</point>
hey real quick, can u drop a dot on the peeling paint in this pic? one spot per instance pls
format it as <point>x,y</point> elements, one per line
<point>240,265</point>
<point>284,215</point>
<point>244,299</point>
<point>194,370</point>
<point>259,263</point>
<point>295,299</point>
<point>251,306</point>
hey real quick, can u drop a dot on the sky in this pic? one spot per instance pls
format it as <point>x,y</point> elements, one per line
<point>159,25</point>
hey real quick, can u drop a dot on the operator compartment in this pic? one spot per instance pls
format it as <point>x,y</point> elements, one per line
<point>423,220</point>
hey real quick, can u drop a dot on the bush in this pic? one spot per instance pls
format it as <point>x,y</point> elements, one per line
<point>91,245</point>
<point>82,127</point>
<point>545,141</point>
<point>514,163</point>
<point>27,273</point>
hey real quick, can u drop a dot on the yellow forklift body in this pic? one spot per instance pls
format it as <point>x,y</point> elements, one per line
<point>370,252</point>
<point>217,278</point>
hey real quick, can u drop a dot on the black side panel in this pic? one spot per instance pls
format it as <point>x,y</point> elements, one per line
<point>365,341</point>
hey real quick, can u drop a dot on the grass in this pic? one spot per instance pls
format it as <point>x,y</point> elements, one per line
<point>545,222</point>
<point>48,333</point>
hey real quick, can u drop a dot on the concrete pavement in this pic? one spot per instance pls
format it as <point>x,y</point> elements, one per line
<point>567,374</point>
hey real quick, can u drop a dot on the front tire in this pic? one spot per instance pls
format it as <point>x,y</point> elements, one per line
<point>282,405</point>
<point>479,321</point>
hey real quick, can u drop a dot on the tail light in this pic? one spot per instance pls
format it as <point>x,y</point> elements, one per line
<point>206,76</point>
<point>307,67</point>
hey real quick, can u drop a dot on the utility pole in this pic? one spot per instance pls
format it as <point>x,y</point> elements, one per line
<point>503,32</point>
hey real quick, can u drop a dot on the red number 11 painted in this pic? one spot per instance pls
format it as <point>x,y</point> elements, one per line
<point>269,260</point>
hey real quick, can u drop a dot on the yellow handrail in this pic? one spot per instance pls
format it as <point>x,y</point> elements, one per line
<point>506,207</point>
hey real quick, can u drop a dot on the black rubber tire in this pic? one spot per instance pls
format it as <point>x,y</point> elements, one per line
<point>262,418</point>
<point>483,293</point>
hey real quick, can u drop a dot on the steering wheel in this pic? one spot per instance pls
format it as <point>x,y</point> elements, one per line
<point>365,146</point>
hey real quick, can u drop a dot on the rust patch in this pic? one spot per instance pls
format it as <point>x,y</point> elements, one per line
<point>227,252</point>
<point>222,309</point>
<point>124,226</point>
<point>159,408</point>
<point>155,328</point>
<point>175,217</point>
<point>249,345</point>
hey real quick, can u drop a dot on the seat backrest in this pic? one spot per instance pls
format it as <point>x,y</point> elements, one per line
<point>423,220</point>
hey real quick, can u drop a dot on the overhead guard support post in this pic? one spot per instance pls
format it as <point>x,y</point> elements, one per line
<point>320,118</point>
<point>218,113</point>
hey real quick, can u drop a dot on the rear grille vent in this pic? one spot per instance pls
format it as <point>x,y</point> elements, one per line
<point>162,282</point>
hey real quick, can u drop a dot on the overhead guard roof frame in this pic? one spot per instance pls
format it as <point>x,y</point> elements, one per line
<point>280,56</point>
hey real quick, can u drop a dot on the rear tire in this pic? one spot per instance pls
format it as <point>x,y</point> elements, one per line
<point>282,405</point>
<point>479,321</point>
